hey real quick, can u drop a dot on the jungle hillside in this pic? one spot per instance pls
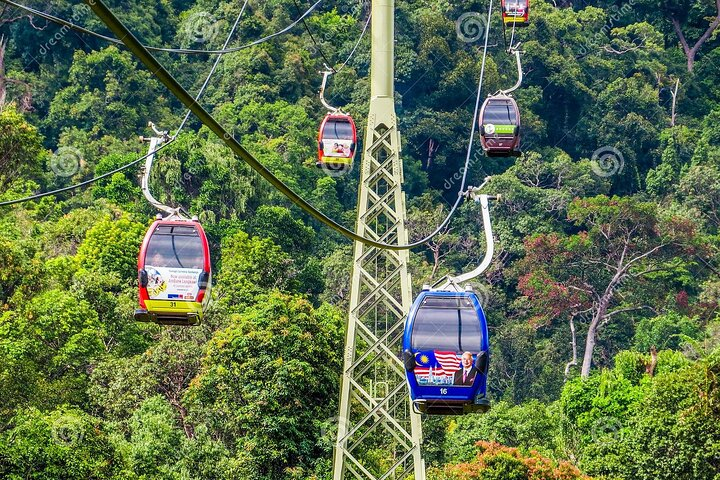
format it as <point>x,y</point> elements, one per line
<point>601,298</point>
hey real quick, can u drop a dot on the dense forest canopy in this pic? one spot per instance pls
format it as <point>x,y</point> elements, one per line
<point>602,297</point>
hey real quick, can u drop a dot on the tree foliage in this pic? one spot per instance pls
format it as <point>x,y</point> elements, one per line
<point>606,239</point>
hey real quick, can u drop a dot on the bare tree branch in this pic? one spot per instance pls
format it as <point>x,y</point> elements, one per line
<point>691,52</point>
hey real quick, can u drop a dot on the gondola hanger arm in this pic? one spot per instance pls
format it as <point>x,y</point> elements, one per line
<point>326,73</point>
<point>515,50</point>
<point>483,199</point>
<point>159,138</point>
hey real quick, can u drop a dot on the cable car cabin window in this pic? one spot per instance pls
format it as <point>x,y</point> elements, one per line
<point>446,324</point>
<point>470,335</point>
<point>512,7</point>
<point>175,247</point>
<point>338,129</point>
<point>499,113</point>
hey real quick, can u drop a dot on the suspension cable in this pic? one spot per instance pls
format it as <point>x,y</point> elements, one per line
<point>214,67</point>
<point>162,136</point>
<point>331,70</point>
<point>149,154</point>
<point>86,182</point>
<point>322,53</point>
<point>312,37</point>
<point>183,51</point>
<point>512,37</point>
<point>472,130</point>
<point>102,11</point>
<point>357,44</point>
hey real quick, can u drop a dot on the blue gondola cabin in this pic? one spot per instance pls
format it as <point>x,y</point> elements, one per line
<point>446,353</point>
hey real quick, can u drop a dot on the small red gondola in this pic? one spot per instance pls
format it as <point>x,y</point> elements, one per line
<point>174,273</point>
<point>515,12</point>
<point>337,140</point>
<point>500,126</point>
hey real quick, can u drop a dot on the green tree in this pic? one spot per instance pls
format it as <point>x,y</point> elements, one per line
<point>62,443</point>
<point>199,172</point>
<point>593,272</point>
<point>266,383</point>
<point>665,331</point>
<point>532,425</point>
<point>251,266</point>
<point>661,427</point>
<point>112,246</point>
<point>278,225</point>
<point>46,349</point>
<point>107,94</point>
<point>497,462</point>
<point>20,147</point>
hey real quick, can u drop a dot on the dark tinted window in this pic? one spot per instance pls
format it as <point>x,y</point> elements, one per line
<point>470,331</point>
<point>338,129</point>
<point>500,113</point>
<point>175,247</point>
<point>446,324</point>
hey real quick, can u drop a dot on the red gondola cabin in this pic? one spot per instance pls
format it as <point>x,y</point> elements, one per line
<point>337,140</point>
<point>500,126</point>
<point>515,12</point>
<point>174,273</point>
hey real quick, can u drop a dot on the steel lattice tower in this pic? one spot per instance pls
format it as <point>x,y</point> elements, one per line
<point>375,412</point>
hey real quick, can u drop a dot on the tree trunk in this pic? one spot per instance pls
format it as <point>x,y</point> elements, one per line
<point>592,332</point>
<point>436,259</point>
<point>589,347</point>
<point>691,52</point>
<point>3,82</point>
<point>650,368</point>
<point>574,360</point>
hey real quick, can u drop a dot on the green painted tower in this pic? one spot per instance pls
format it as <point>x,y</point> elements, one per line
<point>375,413</point>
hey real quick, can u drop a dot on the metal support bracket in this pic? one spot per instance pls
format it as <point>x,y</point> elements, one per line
<point>160,138</point>
<point>325,75</point>
<point>516,51</point>
<point>483,199</point>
